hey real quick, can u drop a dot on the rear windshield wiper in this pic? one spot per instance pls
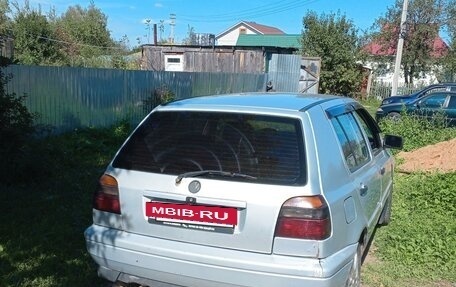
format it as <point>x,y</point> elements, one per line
<point>212,172</point>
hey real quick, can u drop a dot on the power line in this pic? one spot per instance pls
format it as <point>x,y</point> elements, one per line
<point>248,13</point>
<point>69,43</point>
<point>78,44</point>
<point>239,12</point>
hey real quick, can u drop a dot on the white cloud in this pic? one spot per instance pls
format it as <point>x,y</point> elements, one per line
<point>158,5</point>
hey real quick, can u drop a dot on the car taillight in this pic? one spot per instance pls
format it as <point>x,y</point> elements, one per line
<point>304,217</point>
<point>106,197</point>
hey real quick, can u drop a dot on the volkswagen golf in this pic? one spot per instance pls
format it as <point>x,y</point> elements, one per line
<point>244,190</point>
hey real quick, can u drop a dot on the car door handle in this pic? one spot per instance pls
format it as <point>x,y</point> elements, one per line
<point>382,171</point>
<point>363,189</point>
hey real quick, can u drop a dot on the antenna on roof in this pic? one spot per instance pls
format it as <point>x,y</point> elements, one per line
<point>172,23</point>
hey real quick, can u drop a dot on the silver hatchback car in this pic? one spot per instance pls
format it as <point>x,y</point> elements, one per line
<point>244,190</point>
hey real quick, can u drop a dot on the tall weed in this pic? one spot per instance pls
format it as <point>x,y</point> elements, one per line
<point>420,241</point>
<point>418,132</point>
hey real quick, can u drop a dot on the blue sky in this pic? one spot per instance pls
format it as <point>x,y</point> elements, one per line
<point>215,16</point>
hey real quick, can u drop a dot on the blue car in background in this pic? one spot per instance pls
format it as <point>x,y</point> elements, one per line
<point>421,93</point>
<point>426,107</point>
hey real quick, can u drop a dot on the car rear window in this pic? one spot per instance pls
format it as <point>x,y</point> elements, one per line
<point>268,148</point>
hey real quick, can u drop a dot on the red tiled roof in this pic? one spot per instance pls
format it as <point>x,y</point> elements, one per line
<point>440,48</point>
<point>263,29</point>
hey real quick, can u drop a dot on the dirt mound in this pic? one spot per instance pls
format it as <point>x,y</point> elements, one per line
<point>439,157</point>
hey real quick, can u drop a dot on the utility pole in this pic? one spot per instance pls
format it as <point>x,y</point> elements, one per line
<point>400,45</point>
<point>172,23</point>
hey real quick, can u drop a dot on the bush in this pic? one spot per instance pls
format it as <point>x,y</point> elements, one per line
<point>16,130</point>
<point>418,132</point>
<point>160,96</point>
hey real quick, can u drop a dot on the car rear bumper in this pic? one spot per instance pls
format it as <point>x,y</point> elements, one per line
<point>131,257</point>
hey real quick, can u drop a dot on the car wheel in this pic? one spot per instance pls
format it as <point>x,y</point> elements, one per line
<point>395,116</point>
<point>385,216</point>
<point>354,276</point>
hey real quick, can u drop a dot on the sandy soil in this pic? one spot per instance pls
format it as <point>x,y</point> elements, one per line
<point>439,157</point>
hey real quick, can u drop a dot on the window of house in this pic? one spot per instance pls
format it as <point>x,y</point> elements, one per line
<point>173,60</point>
<point>242,31</point>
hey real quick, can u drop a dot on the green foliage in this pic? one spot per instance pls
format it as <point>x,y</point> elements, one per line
<point>418,246</point>
<point>85,33</point>
<point>424,20</point>
<point>418,132</point>
<point>419,243</point>
<point>78,37</point>
<point>370,104</point>
<point>333,38</point>
<point>32,31</point>
<point>191,36</point>
<point>16,128</point>
<point>160,96</point>
<point>4,19</point>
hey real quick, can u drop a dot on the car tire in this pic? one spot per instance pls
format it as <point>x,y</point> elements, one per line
<point>395,116</point>
<point>354,275</point>
<point>385,216</point>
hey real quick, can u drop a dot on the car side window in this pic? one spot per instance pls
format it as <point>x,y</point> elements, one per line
<point>436,101</point>
<point>437,89</point>
<point>370,128</point>
<point>352,141</point>
<point>452,102</point>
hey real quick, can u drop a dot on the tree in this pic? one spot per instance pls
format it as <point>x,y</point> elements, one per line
<point>4,19</point>
<point>33,37</point>
<point>84,34</point>
<point>333,38</point>
<point>425,18</point>
<point>449,62</point>
<point>190,39</point>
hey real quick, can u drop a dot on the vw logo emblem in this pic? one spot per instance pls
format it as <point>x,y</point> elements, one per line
<point>194,186</point>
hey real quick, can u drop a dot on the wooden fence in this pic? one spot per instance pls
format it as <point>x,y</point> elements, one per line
<point>381,90</point>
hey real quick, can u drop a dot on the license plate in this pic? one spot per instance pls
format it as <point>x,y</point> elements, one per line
<point>194,213</point>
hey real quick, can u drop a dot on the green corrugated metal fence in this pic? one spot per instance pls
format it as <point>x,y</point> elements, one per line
<point>66,98</point>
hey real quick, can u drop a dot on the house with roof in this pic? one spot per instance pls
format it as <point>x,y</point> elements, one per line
<point>229,37</point>
<point>246,47</point>
<point>384,55</point>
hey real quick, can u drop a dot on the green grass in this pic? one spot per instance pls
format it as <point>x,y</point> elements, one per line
<point>371,104</point>
<point>43,217</point>
<point>418,248</point>
<point>419,245</point>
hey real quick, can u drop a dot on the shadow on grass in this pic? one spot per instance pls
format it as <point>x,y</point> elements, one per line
<point>42,222</point>
<point>42,236</point>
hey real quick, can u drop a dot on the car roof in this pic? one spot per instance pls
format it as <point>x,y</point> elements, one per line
<point>453,93</point>
<point>293,102</point>
<point>440,85</point>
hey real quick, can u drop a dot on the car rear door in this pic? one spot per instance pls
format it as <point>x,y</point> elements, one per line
<point>381,156</point>
<point>451,110</point>
<point>431,105</point>
<point>364,171</point>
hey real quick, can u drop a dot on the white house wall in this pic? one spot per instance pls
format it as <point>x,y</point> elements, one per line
<point>230,38</point>
<point>387,76</point>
